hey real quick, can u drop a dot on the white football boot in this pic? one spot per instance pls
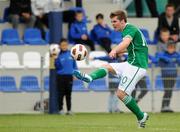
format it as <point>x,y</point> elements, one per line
<point>142,122</point>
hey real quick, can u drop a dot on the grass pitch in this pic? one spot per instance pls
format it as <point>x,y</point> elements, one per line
<point>81,122</point>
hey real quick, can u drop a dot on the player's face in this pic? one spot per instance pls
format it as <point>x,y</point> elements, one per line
<point>117,24</point>
<point>64,46</point>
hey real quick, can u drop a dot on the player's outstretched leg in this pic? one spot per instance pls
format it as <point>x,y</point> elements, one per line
<point>132,105</point>
<point>99,73</point>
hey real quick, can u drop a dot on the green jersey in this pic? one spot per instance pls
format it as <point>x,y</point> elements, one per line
<point>137,49</point>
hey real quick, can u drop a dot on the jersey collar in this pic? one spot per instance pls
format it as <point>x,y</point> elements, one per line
<point>125,26</point>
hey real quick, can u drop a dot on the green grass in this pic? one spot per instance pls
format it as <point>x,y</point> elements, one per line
<point>97,122</point>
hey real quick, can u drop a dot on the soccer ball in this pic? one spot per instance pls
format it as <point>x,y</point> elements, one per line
<point>54,49</point>
<point>79,52</point>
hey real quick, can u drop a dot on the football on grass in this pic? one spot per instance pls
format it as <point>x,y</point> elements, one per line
<point>79,52</point>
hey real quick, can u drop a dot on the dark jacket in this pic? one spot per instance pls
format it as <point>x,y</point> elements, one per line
<point>162,23</point>
<point>20,6</point>
<point>65,64</point>
<point>78,29</point>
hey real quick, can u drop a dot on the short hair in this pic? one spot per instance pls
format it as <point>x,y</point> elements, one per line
<point>170,5</point>
<point>63,40</point>
<point>78,12</point>
<point>120,15</point>
<point>164,30</point>
<point>99,15</point>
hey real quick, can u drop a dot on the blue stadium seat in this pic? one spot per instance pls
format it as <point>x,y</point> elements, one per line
<point>32,36</point>
<point>116,37</point>
<point>155,38</point>
<point>146,35</point>
<point>159,83</point>
<point>99,85</point>
<point>10,37</point>
<point>148,83</point>
<point>177,85</point>
<point>46,83</point>
<point>8,84</point>
<point>78,86</point>
<point>47,37</point>
<point>29,84</point>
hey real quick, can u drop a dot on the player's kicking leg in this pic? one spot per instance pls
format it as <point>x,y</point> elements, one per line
<point>99,73</point>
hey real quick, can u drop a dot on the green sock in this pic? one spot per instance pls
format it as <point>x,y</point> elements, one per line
<point>99,73</point>
<point>132,105</point>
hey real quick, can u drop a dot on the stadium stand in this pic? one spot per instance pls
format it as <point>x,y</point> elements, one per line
<point>32,59</point>
<point>6,14</point>
<point>96,63</point>
<point>116,37</point>
<point>93,54</point>
<point>177,86</point>
<point>46,60</point>
<point>46,83</point>
<point>10,60</point>
<point>82,64</point>
<point>99,85</point>
<point>146,35</point>
<point>78,86</point>
<point>10,37</point>
<point>33,36</point>
<point>29,84</point>
<point>148,83</point>
<point>8,84</point>
<point>47,37</point>
<point>159,83</point>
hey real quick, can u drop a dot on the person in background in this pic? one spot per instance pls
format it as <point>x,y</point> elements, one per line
<point>163,40</point>
<point>79,33</point>
<point>143,89</point>
<point>65,65</point>
<point>176,3</point>
<point>101,33</point>
<point>151,5</point>
<point>168,61</point>
<point>170,21</point>
<point>20,10</point>
<point>40,10</point>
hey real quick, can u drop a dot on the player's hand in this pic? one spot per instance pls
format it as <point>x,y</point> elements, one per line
<point>113,54</point>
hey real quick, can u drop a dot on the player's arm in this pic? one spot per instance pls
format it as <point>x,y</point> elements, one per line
<point>120,48</point>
